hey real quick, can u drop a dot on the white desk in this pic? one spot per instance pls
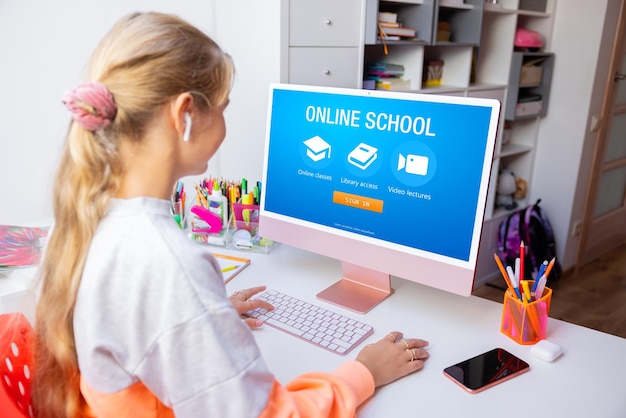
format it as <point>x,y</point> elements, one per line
<point>589,380</point>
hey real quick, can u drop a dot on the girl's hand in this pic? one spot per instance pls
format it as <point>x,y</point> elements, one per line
<point>242,303</point>
<point>393,357</point>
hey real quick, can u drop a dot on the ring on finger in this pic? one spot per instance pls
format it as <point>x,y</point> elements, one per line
<point>412,354</point>
<point>241,292</point>
<point>406,344</point>
<point>393,337</point>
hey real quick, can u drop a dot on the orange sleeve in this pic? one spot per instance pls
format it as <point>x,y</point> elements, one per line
<point>337,394</point>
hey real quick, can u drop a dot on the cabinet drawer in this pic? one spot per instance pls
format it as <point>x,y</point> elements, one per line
<point>334,67</point>
<point>325,22</point>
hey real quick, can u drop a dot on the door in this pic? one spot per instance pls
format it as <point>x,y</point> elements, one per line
<point>604,225</point>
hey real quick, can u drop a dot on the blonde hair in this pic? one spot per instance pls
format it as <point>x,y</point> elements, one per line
<point>146,60</point>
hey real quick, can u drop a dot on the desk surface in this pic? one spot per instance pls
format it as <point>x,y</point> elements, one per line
<point>589,379</point>
<point>592,368</point>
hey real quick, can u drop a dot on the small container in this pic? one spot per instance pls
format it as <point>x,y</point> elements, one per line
<point>243,230</point>
<point>526,323</point>
<point>433,73</point>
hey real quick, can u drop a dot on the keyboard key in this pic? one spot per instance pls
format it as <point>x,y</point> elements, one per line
<point>319,326</point>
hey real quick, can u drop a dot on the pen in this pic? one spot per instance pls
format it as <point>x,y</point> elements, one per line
<point>540,273</point>
<point>509,270</point>
<point>229,268</point>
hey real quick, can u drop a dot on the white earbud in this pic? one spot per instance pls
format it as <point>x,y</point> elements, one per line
<point>187,127</point>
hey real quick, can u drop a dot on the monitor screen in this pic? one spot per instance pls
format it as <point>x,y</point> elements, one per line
<point>388,183</point>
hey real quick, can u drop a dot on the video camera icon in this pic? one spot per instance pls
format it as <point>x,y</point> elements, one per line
<point>413,164</point>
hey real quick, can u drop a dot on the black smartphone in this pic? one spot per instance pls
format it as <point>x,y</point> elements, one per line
<point>486,370</point>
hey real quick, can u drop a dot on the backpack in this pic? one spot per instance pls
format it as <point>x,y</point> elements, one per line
<point>531,225</point>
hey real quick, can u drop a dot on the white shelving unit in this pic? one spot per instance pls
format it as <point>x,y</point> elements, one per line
<point>330,43</point>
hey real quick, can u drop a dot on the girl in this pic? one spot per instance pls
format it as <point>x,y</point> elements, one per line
<point>133,318</point>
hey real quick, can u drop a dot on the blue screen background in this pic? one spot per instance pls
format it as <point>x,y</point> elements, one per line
<point>442,224</point>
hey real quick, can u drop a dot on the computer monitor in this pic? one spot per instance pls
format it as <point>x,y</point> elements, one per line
<point>388,183</point>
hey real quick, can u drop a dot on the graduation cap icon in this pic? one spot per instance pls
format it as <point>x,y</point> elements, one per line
<point>317,149</point>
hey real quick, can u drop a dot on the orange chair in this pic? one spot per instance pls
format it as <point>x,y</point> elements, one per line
<point>16,340</point>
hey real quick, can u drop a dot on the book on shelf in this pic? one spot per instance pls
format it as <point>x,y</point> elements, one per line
<point>397,31</point>
<point>385,69</point>
<point>393,84</point>
<point>391,38</point>
<point>390,24</point>
<point>389,17</point>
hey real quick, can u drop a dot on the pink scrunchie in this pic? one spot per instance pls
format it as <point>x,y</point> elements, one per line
<point>92,105</point>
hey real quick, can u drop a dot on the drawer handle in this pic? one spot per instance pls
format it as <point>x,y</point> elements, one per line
<point>326,72</point>
<point>328,22</point>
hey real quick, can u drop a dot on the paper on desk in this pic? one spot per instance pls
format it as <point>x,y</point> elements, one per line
<point>231,266</point>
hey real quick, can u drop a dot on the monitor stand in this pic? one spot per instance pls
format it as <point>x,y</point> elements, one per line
<point>359,290</point>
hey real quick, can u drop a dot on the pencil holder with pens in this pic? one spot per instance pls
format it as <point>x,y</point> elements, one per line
<point>525,322</point>
<point>243,229</point>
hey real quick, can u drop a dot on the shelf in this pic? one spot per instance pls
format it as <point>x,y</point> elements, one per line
<point>413,42</point>
<point>485,86</point>
<point>509,150</point>
<point>498,9</point>
<point>532,13</point>
<point>461,6</point>
<point>540,88</point>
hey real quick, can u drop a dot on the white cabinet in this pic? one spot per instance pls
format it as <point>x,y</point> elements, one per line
<point>325,23</point>
<point>323,42</point>
<point>334,67</point>
<point>331,42</point>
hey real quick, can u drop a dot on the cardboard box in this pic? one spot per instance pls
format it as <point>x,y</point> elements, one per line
<point>530,75</point>
<point>529,108</point>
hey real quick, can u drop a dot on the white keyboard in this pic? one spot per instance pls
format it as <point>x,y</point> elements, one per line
<point>314,324</point>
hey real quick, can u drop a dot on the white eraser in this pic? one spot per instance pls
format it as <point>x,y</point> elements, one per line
<point>546,350</point>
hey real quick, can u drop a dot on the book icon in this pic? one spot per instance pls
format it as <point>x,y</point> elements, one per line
<point>363,155</point>
<point>317,149</point>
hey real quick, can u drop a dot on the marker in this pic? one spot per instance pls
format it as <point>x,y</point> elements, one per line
<point>229,268</point>
<point>540,287</point>
<point>521,264</point>
<point>526,291</point>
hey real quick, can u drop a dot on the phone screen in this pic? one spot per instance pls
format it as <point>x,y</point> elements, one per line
<point>485,370</point>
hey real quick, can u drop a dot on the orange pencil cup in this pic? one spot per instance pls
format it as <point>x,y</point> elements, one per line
<point>525,323</point>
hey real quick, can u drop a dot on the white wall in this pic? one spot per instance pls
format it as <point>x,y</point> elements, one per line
<point>565,143</point>
<point>45,46</point>
<point>250,31</point>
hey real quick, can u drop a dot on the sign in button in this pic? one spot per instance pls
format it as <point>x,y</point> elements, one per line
<point>356,201</point>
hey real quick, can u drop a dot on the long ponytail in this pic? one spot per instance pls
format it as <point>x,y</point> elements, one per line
<point>144,61</point>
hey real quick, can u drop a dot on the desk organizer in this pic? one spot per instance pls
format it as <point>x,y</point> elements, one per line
<point>525,322</point>
<point>241,232</point>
